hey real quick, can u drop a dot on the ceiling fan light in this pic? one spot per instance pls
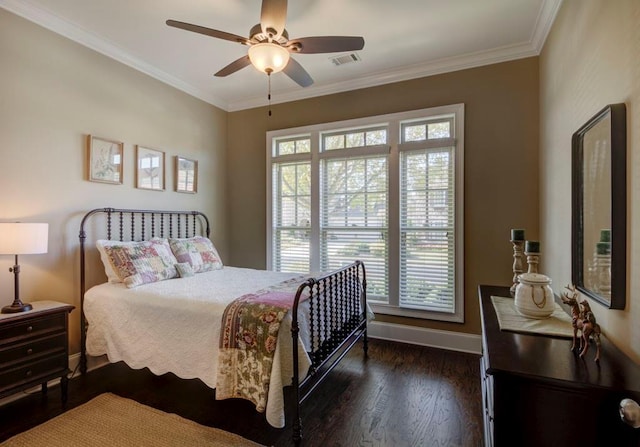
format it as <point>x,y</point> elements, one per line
<point>268,57</point>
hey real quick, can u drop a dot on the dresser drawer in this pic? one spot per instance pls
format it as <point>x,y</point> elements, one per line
<point>31,372</point>
<point>32,349</point>
<point>33,327</point>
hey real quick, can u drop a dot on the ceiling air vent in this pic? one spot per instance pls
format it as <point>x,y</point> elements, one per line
<point>345,59</point>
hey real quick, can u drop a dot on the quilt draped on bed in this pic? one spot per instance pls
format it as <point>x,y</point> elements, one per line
<point>248,339</point>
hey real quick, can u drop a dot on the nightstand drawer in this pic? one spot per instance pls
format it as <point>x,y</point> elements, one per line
<point>32,350</point>
<point>33,327</point>
<point>30,372</point>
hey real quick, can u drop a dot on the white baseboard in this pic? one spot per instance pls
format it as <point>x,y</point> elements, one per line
<point>453,341</point>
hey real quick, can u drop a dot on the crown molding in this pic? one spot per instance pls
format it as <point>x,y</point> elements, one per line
<point>52,22</point>
<point>546,17</point>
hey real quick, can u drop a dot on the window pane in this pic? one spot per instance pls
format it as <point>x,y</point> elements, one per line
<point>303,146</point>
<point>439,130</point>
<point>333,142</point>
<point>286,147</point>
<point>376,137</point>
<point>415,133</point>
<point>355,139</point>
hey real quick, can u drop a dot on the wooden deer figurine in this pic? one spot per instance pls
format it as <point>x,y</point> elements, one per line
<point>583,320</point>
<point>590,328</point>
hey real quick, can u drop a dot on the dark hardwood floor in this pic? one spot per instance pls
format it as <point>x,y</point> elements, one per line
<point>401,395</point>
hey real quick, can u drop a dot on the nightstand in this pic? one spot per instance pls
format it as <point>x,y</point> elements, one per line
<point>34,348</point>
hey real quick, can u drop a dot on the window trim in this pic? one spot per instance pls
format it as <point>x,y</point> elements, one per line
<point>393,123</point>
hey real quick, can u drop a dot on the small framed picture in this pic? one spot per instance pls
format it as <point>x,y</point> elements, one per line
<point>105,160</point>
<point>149,168</point>
<point>186,175</point>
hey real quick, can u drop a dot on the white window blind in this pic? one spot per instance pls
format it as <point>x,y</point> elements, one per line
<point>427,270</point>
<point>355,216</point>
<point>386,190</point>
<point>292,211</point>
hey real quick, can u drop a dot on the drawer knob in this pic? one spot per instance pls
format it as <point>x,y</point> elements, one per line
<point>630,412</point>
<point>29,328</point>
<point>28,374</point>
<point>29,351</point>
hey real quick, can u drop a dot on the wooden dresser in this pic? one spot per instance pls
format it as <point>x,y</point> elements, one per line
<point>34,348</point>
<point>536,392</point>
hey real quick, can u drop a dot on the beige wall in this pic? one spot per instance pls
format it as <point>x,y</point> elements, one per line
<point>501,163</point>
<point>591,58</point>
<point>54,92</point>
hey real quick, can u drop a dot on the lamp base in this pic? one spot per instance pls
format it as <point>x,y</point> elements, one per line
<point>16,308</point>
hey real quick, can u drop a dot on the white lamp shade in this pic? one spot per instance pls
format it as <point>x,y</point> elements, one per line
<point>18,238</point>
<point>268,57</point>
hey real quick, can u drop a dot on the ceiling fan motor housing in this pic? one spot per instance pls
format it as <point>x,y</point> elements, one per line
<point>256,35</point>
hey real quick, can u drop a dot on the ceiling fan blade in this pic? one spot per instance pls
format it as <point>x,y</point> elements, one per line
<point>234,66</point>
<point>295,71</point>
<point>326,44</point>
<point>273,16</point>
<point>208,31</point>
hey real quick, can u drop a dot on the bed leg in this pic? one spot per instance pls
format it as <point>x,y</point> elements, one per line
<point>297,431</point>
<point>83,363</point>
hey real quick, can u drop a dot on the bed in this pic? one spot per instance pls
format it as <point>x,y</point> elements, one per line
<point>187,318</point>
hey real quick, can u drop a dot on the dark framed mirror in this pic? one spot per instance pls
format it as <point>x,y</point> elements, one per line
<point>599,207</point>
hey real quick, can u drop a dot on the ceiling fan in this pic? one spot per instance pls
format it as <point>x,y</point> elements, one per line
<point>270,46</point>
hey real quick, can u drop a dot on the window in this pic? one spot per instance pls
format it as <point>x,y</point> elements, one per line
<point>386,190</point>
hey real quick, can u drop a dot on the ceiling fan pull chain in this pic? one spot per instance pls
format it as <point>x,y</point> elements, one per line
<point>269,94</point>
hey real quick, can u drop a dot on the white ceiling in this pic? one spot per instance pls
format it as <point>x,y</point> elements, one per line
<point>404,39</point>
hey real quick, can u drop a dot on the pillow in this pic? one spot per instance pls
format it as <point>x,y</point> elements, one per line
<point>198,251</point>
<point>184,269</point>
<point>137,263</point>
<point>112,276</point>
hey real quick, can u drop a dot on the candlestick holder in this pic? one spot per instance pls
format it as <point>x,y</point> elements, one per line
<point>518,264</point>
<point>533,259</point>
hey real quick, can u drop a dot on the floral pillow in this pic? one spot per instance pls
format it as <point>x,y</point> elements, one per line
<point>198,251</point>
<point>112,276</point>
<point>140,263</point>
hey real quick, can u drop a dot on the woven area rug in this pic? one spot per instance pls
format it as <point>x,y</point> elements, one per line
<point>112,421</point>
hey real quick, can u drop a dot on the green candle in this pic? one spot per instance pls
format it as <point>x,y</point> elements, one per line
<point>517,235</point>
<point>532,247</point>
<point>605,235</point>
<point>603,248</point>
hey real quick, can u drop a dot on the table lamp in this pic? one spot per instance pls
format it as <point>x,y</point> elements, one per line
<point>17,238</point>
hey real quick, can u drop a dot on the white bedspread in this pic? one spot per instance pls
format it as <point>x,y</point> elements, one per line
<point>174,326</point>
